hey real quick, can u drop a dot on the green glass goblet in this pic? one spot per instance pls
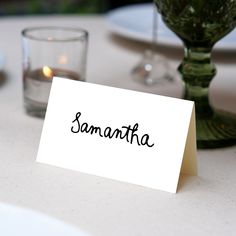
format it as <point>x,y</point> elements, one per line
<point>200,24</point>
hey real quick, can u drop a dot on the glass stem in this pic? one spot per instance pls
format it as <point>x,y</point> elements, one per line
<point>197,71</point>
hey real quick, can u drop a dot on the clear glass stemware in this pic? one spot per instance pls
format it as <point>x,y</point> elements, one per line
<point>154,68</point>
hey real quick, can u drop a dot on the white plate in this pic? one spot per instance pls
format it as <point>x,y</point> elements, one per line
<point>16,221</point>
<point>135,22</point>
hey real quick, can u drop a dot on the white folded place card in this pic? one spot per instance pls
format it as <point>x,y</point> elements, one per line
<point>135,137</point>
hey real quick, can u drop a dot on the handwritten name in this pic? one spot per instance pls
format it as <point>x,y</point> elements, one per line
<point>127,133</point>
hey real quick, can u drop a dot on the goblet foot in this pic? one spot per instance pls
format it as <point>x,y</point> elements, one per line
<point>216,131</point>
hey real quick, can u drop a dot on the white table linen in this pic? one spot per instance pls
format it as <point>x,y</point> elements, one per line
<point>204,205</point>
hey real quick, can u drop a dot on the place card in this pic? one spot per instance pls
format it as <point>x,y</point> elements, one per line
<point>129,136</point>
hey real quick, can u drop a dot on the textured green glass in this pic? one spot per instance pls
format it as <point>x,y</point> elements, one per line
<point>200,24</point>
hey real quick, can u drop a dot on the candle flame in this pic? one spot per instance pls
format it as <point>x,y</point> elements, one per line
<point>47,71</point>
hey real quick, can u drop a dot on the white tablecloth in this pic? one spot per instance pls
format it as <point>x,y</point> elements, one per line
<point>204,205</point>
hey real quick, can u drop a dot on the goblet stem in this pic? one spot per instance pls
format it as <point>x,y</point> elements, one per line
<point>197,69</point>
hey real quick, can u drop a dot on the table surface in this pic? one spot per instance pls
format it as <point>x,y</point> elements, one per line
<point>204,205</point>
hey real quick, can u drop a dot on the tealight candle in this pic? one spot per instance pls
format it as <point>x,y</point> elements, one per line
<point>37,84</point>
<point>49,52</point>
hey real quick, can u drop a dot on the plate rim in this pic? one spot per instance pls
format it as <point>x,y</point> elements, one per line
<point>37,218</point>
<point>140,37</point>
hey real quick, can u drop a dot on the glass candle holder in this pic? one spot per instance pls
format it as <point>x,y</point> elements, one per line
<point>48,52</point>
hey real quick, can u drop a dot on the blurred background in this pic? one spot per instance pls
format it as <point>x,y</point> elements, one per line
<point>25,7</point>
